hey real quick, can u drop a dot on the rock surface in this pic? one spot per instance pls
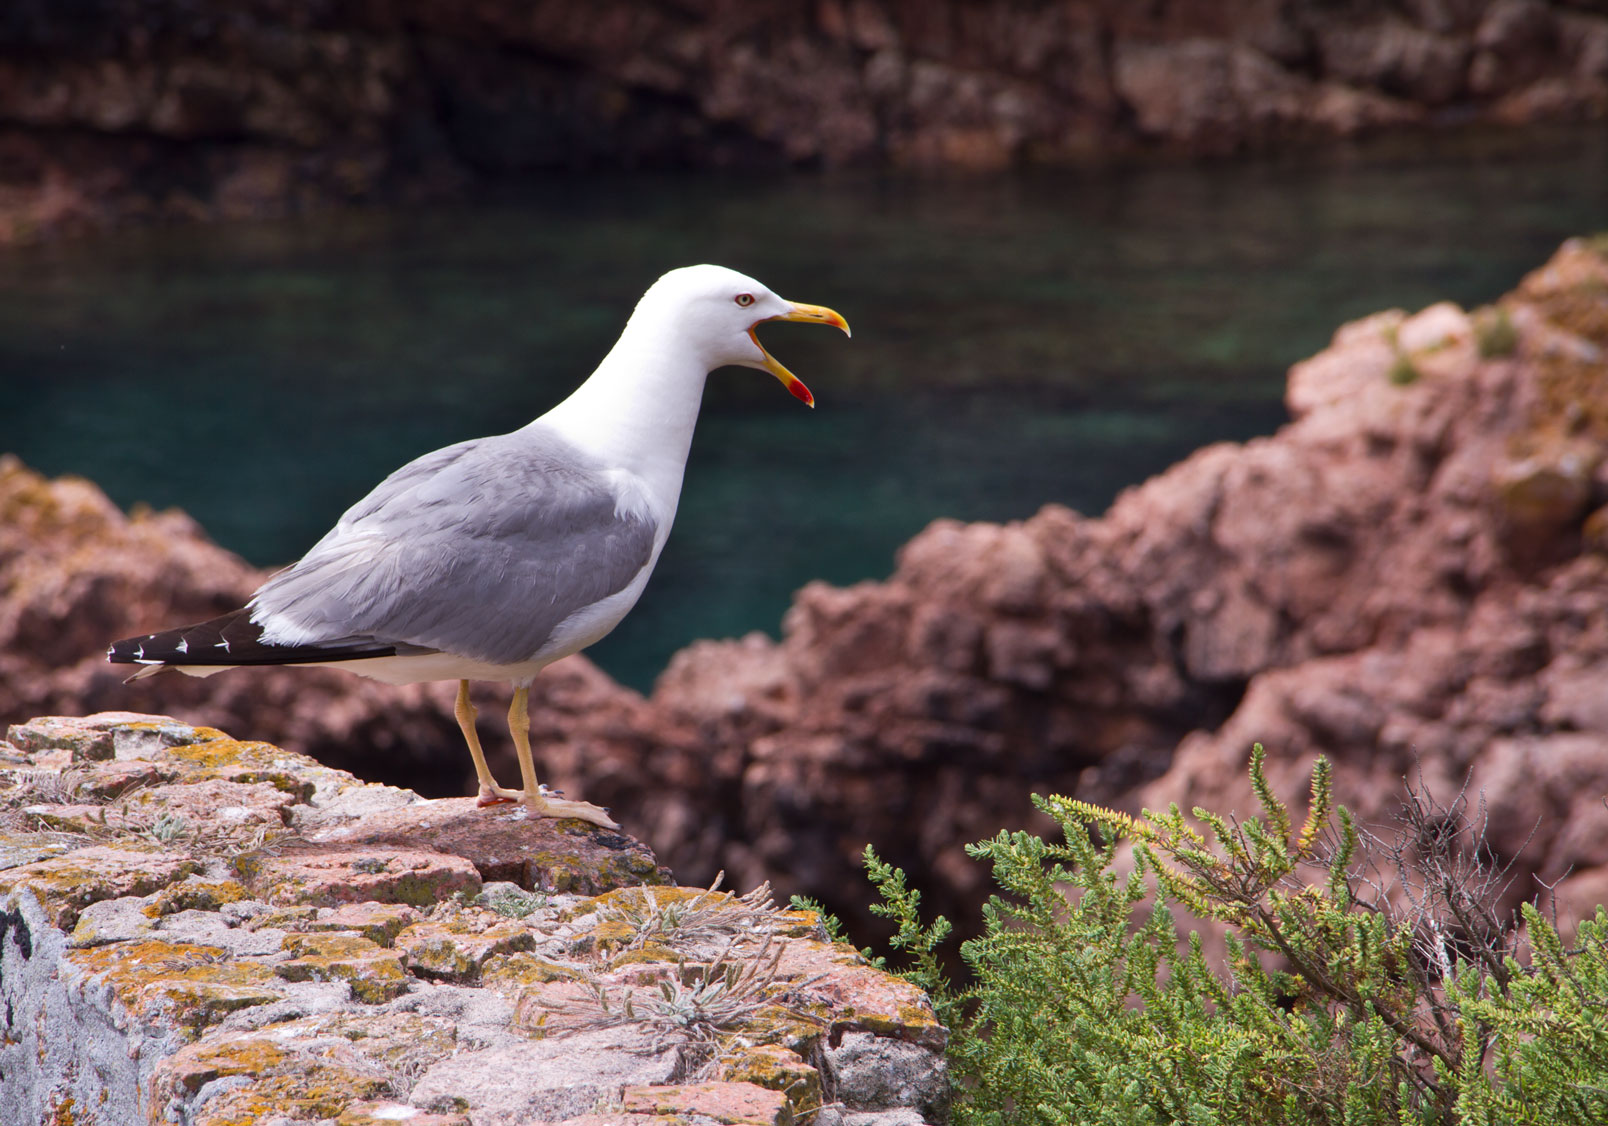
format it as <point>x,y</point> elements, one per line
<point>1412,575</point>
<point>177,959</point>
<point>114,111</point>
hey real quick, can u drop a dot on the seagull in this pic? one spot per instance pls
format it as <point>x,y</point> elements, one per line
<point>492,558</point>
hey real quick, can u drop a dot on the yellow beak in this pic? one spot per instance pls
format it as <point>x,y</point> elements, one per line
<point>809,314</point>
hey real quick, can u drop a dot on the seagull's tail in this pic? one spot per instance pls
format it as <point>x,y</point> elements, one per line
<point>228,642</point>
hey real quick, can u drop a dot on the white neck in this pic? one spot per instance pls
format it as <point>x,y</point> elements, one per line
<point>638,409</point>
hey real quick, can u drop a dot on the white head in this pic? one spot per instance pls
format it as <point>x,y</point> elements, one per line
<point>714,312</point>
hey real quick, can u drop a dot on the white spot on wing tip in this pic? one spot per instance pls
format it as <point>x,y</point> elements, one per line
<point>183,646</point>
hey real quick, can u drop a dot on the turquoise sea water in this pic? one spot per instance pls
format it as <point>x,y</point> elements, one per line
<point>1040,336</point>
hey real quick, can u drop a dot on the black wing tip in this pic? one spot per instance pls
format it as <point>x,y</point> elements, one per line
<point>132,650</point>
<point>234,639</point>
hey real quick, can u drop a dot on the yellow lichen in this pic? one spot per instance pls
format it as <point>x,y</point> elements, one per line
<point>797,1027</point>
<point>195,895</point>
<point>513,971</point>
<point>215,753</point>
<point>315,1091</point>
<point>654,953</point>
<point>195,985</point>
<point>456,946</point>
<point>66,885</point>
<point>373,973</point>
<point>779,1069</point>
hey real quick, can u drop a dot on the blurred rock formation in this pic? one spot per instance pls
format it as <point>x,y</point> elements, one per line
<point>112,110</point>
<point>1411,578</point>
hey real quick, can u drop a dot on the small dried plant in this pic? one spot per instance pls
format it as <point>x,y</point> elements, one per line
<point>712,920</point>
<point>705,1006</point>
<point>1433,875</point>
<point>37,787</point>
<point>697,1008</point>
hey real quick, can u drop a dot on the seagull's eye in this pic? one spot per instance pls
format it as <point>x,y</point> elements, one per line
<point>745,299</point>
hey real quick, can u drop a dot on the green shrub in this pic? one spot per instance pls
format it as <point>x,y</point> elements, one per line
<point>1337,1003</point>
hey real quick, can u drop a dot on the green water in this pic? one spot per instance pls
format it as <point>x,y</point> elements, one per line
<point>1042,336</point>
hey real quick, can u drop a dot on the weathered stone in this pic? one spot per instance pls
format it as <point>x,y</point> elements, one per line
<point>232,760</point>
<point>86,741</point>
<point>17,849</point>
<point>505,843</point>
<point>109,780</point>
<point>213,805</point>
<point>380,923</point>
<point>778,1069</point>
<point>905,1116</point>
<point>862,998</point>
<point>457,948</point>
<point>113,920</point>
<point>1545,494</point>
<point>1440,326</point>
<point>516,971</point>
<point>374,973</point>
<point>329,875</point>
<point>66,885</point>
<point>191,986</point>
<point>195,893</point>
<point>869,1072</point>
<point>736,1104</point>
<point>243,1080</point>
<point>169,814</point>
<point>385,1112</point>
<point>560,1077</point>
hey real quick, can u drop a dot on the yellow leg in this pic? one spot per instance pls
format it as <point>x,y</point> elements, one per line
<point>519,728</point>
<point>490,792</point>
<point>539,803</point>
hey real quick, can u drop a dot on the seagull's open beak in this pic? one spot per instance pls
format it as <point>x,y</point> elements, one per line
<point>809,314</point>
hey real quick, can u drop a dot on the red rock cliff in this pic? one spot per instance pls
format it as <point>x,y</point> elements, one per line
<point>113,110</point>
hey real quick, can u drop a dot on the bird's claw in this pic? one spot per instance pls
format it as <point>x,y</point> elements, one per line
<point>543,806</point>
<point>496,795</point>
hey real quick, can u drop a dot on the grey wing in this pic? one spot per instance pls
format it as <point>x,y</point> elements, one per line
<point>480,550</point>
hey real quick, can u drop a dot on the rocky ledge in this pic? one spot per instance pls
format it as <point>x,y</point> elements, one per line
<point>202,930</point>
